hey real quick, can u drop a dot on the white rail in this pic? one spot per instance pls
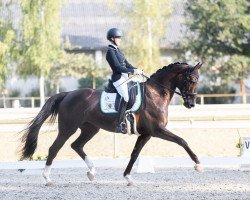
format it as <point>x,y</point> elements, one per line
<point>202,116</point>
<point>33,102</point>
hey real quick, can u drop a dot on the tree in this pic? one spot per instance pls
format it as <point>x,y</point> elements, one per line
<point>7,36</point>
<point>75,65</point>
<point>41,43</point>
<point>147,22</point>
<point>220,37</point>
<point>8,44</point>
<point>87,82</point>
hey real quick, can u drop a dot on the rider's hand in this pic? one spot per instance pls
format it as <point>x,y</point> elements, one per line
<point>138,71</point>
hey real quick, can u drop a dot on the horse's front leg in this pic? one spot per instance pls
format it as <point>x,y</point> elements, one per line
<point>141,141</point>
<point>165,134</point>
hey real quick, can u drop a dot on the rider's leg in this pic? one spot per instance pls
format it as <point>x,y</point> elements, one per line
<point>121,112</point>
<point>122,89</point>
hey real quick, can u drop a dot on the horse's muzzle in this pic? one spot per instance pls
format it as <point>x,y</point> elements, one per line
<point>189,99</point>
<point>189,104</point>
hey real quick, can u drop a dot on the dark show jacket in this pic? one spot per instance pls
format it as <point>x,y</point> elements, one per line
<point>118,63</point>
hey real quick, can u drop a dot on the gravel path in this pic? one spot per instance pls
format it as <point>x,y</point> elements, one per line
<point>166,183</point>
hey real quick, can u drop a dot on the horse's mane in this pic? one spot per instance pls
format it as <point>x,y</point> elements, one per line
<point>167,68</point>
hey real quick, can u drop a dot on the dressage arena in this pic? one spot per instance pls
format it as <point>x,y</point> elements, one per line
<point>215,140</point>
<point>166,183</point>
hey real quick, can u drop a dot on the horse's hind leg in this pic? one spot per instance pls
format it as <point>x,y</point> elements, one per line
<point>53,150</point>
<point>87,132</point>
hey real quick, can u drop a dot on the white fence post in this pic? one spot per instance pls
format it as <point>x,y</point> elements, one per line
<point>32,102</point>
<point>202,99</point>
<point>115,146</point>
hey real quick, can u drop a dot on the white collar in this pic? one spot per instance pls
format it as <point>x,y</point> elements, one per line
<point>114,45</point>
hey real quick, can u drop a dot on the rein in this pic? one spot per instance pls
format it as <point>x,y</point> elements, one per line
<point>184,94</point>
<point>161,85</point>
<point>123,82</point>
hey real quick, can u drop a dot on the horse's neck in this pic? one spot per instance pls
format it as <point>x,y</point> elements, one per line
<point>153,90</point>
<point>164,83</point>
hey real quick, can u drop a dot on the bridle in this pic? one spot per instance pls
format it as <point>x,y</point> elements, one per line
<point>185,86</point>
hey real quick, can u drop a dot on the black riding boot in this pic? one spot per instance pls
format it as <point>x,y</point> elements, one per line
<point>121,126</point>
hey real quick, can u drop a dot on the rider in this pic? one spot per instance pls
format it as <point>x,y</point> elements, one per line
<point>121,69</point>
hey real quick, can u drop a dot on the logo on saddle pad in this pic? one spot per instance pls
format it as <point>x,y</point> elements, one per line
<point>109,101</point>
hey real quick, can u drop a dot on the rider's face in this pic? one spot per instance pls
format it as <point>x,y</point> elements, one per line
<point>117,41</point>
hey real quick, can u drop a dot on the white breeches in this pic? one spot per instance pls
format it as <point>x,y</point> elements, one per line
<point>122,87</point>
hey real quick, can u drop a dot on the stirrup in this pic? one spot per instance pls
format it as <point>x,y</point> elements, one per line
<point>121,128</point>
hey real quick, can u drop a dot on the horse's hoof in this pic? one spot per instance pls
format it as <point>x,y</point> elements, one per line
<point>129,179</point>
<point>198,168</point>
<point>49,183</point>
<point>91,176</point>
<point>130,184</point>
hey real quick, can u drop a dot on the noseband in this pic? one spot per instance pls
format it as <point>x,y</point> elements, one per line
<point>186,84</point>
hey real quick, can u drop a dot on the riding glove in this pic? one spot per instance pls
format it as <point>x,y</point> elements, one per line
<point>138,71</point>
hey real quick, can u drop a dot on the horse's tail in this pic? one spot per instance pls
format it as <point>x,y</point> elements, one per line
<point>29,138</point>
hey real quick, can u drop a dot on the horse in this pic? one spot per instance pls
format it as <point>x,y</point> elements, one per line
<point>81,109</point>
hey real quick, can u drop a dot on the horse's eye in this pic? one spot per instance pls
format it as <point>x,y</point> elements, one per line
<point>194,79</point>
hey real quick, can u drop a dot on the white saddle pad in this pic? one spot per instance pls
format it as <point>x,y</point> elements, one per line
<point>107,101</point>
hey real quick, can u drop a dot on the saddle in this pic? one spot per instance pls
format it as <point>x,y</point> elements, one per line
<point>110,98</point>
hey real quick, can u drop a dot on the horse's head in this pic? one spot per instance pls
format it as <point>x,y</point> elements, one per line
<point>182,76</point>
<point>187,84</point>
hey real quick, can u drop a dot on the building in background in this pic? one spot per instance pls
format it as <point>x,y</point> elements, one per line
<point>84,25</point>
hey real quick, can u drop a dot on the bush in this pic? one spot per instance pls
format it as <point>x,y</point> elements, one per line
<point>14,93</point>
<point>222,89</point>
<point>88,82</point>
<point>33,93</point>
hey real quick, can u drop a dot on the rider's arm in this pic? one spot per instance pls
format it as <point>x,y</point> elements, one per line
<point>115,64</point>
<point>128,65</point>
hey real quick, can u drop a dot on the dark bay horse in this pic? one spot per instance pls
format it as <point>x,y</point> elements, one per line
<point>81,109</point>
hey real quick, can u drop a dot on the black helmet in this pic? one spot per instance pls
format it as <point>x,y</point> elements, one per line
<point>114,32</point>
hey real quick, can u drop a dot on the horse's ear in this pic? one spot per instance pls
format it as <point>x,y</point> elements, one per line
<point>198,65</point>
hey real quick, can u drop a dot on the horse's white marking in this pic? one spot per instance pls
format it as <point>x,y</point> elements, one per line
<point>198,168</point>
<point>88,162</point>
<point>129,179</point>
<point>46,174</point>
<point>91,173</point>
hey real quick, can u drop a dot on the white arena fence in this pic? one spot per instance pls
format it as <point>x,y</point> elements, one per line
<point>202,116</point>
<point>33,102</point>
<point>235,116</point>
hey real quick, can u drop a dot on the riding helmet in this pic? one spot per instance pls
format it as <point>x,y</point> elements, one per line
<point>114,32</point>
